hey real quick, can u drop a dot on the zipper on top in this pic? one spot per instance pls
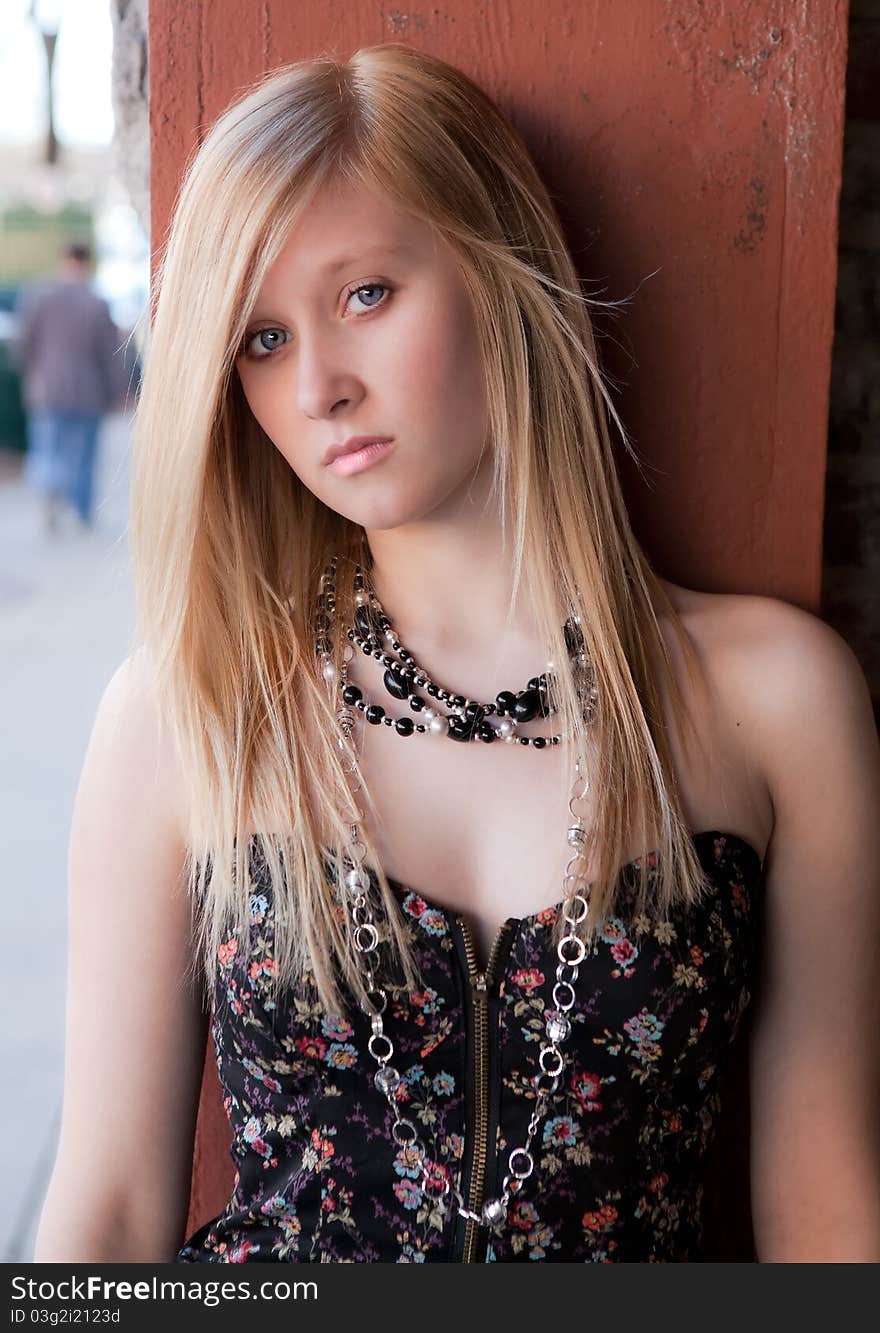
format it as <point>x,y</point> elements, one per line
<point>479,989</point>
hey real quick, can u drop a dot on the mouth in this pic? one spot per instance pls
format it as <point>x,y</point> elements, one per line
<point>351,446</point>
<point>360,458</point>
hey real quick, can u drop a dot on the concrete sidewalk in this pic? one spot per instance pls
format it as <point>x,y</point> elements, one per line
<point>66,617</point>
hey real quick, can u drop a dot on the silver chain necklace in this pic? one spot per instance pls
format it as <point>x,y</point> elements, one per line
<point>436,1181</point>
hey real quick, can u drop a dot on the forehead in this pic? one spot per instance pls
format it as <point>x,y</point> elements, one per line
<point>345,224</point>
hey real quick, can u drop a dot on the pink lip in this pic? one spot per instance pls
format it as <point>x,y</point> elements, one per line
<point>360,457</point>
<point>352,445</point>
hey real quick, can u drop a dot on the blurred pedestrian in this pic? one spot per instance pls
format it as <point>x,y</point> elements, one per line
<point>73,368</point>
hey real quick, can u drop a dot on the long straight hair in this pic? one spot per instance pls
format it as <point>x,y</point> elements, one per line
<point>228,546</point>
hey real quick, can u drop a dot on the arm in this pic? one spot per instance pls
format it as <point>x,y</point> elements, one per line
<point>815,1054</point>
<point>135,1033</point>
<point>111,357</point>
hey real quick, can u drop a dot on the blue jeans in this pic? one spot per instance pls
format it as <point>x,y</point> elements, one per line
<point>61,456</point>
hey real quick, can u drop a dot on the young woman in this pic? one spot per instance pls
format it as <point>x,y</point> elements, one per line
<point>456,815</point>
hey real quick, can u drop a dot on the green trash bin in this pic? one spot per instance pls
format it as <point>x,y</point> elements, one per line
<point>12,418</point>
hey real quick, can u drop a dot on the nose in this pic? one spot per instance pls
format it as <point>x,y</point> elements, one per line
<point>323,380</point>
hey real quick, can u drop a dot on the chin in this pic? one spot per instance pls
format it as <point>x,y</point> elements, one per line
<point>383,512</point>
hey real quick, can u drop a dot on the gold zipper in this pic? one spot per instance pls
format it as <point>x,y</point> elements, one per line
<point>480,983</point>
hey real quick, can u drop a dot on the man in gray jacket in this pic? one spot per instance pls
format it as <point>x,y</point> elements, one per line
<point>73,373</point>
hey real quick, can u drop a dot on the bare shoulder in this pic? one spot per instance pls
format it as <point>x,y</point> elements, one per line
<point>788,677</point>
<point>784,656</point>
<point>134,713</point>
<point>754,620</point>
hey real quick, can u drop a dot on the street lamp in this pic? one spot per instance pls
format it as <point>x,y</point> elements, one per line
<point>46,14</point>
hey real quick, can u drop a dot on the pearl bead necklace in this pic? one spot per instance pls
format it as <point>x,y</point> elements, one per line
<point>403,677</point>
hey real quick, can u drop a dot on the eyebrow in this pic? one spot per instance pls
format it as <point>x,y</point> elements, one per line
<point>343,260</point>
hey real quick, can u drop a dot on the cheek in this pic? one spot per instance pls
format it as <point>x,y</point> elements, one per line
<point>437,368</point>
<point>269,397</point>
<point>264,397</point>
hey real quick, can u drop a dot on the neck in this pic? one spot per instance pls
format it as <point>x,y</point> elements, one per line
<point>446,585</point>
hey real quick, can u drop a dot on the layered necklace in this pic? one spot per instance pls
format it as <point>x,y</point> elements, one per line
<point>467,720</point>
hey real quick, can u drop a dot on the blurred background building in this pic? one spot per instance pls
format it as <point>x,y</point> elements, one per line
<point>74,160</point>
<point>74,166</point>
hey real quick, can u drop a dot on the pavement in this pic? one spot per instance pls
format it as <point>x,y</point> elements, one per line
<point>66,618</point>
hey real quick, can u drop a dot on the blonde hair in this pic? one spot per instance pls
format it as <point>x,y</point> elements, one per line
<point>228,546</point>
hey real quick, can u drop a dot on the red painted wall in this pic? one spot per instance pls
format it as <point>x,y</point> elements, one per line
<point>694,150</point>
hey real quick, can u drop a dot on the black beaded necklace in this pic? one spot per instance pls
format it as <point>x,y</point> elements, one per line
<point>403,677</point>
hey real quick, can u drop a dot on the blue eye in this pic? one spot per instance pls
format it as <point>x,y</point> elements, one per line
<point>267,347</point>
<point>268,340</point>
<point>263,339</point>
<point>368,287</point>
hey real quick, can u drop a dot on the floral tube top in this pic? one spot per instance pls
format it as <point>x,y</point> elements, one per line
<point>618,1157</point>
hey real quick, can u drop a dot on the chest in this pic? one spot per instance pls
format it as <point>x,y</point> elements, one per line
<point>479,829</point>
